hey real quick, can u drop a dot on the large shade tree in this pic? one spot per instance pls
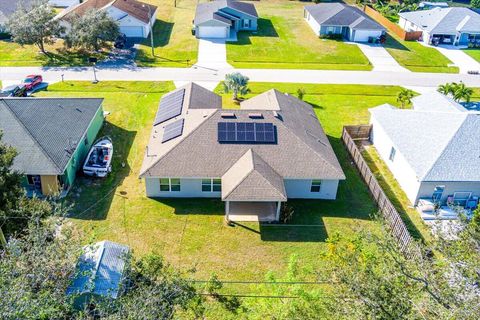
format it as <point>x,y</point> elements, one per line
<point>35,25</point>
<point>92,30</point>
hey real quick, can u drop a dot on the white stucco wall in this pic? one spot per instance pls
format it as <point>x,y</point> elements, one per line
<point>192,188</point>
<point>400,168</point>
<point>313,24</point>
<point>300,189</point>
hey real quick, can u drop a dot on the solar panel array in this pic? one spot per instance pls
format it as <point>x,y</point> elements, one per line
<point>173,130</point>
<point>246,132</point>
<point>170,107</point>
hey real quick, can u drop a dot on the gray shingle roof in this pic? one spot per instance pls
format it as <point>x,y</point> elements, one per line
<point>445,20</point>
<point>250,179</point>
<point>197,97</point>
<point>340,14</point>
<point>100,270</point>
<point>302,149</point>
<point>435,101</point>
<point>208,11</point>
<point>42,129</point>
<point>439,146</point>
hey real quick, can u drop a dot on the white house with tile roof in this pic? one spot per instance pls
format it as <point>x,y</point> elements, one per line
<point>273,148</point>
<point>433,150</point>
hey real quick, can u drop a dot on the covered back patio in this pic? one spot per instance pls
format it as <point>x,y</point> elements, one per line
<point>238,211</point>
<point>252,190</point>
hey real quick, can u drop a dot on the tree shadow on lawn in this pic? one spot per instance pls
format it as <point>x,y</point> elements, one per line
<point>92,197</point>
<point>265,29</point>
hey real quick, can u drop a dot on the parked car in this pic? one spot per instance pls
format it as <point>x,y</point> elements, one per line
<point>121,41</point>
<point>32,81</point>
<point>14,91</point>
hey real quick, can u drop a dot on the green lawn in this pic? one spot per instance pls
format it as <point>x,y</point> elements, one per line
<point>175,46</point>
<point>389,184</point>
<point>474,53</point>
<point>285,40</point>
<point>15,55</point>
<point>191,233</point>
<point>416,57</point>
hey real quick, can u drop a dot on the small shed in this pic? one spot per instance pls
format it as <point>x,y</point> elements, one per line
<point>100,273</point>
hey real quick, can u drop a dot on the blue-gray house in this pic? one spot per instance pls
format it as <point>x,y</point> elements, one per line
<point>219,18</point>
<point>349,22</point>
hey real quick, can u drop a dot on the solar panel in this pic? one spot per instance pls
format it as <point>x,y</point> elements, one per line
<point>246,132</point>
<point>173,130</point>
<point>170,107</point>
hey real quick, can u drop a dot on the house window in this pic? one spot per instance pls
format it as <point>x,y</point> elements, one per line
<point>246,23</point>
<point>392,154</point>
<point>30,180</point>
<point>316,186</point>
<point>170,184</point>
<point>211,185</point>
<point>437,193</point>
<point>330,30</point>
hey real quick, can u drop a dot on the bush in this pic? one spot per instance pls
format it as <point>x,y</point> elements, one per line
<point>332,36</point>
<point>4,36</point>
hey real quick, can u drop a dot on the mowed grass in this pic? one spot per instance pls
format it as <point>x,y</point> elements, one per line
<point>14,55</point>
<point>390,185</point>
<point>191,233</point>
<point>416,57</point>
<point>175,46</point>
<point>474,53</point>
<point>285,40</point>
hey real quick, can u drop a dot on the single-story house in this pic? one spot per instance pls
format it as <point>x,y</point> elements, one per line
<point>270,150</point>
<point>216,19</point>
<point>52,137</point>
<point>341,19</point>
<point>134,18</point>
<point>7,8</point>
<point>100,273</point>
<point>432,150</point>
<point>454,26</point>
<point>63,3</point>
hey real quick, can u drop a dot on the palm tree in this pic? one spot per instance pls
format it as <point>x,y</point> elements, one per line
<point>462,92</point>
<point>405,97</point>
<point>236,83</point>
<point>447,88</point>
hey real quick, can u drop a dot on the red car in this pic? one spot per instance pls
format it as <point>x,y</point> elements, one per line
<point>32,81</point>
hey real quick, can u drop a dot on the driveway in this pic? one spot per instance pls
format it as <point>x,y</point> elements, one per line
<point>459,58</point>
<point>212,54</point>
<point>380,58</point>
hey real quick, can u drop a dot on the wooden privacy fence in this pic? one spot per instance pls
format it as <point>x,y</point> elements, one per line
<point>395,28</point>
<point>390,214</point>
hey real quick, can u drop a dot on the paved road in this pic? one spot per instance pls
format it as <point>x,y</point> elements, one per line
<point>199,74</point>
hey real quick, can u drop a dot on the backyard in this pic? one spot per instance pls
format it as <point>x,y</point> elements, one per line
<point>416,57</point>
<point>191,233</point>
<point>285,40</point>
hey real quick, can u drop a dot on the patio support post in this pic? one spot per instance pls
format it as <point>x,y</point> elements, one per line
<point>277,215</point>
<point>227,211</point>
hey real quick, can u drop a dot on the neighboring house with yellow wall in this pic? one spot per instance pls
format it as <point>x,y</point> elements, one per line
<point>52,137</point>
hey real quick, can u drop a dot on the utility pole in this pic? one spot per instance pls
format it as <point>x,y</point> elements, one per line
<point>151,27</point>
